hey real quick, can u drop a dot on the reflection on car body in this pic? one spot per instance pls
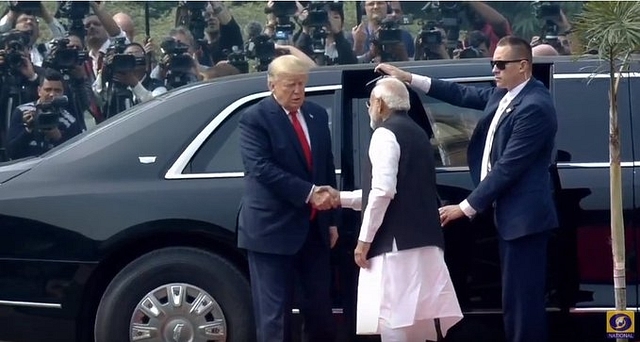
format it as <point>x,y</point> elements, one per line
<point>97,243</point>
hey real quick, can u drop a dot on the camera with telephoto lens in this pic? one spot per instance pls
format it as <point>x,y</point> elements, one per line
<point>48,113</point>
<point>548,13</point>
<point>261,48</point>
<point>13,43</point>
<point>75,12</point>
<point>62,57</point>
<point>283,11</point>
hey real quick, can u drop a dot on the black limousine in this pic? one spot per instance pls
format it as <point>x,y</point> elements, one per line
<point>127,232</point>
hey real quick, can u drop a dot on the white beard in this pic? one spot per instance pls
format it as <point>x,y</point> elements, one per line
<point>373,124</point>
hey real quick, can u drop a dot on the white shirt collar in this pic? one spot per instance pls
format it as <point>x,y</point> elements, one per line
<point>511,94</point>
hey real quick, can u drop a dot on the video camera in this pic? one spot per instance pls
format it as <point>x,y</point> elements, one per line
<point>180,64</point>
<point>48,113</point>
<point>121,62</point>
<point>75,12</point>
<point>445,14</point>
<point>262,49</point>
<point>283,11</point>
<point>63,57</point>
<point>317,21</point>
<point>13,43</point>
<point>548,13</point>
<point>29,7</point>
<point>237,58</point>
<point>195,19</point>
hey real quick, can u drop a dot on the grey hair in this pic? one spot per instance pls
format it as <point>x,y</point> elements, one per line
<point>393,92</point>
<point>184,31</point>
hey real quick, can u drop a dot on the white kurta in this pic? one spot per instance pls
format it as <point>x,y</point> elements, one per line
<point>399,287</point>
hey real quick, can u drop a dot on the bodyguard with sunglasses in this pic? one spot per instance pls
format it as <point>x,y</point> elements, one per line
<point>509,156</point>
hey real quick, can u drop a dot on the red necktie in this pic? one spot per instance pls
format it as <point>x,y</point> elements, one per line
<point>302,138</point>
<point>305,148</point>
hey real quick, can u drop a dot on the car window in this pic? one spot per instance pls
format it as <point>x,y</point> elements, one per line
<point>452,127</point>
<point>221,151</point>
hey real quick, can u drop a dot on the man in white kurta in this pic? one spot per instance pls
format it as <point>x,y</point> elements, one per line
<point>400,292</point>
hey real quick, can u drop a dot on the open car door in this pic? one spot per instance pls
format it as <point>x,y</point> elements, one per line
<point>471,246</point>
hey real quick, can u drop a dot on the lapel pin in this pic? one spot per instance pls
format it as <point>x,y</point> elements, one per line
<point>509,109</point>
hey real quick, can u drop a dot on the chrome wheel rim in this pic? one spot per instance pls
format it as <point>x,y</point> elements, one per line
<point>178,312</point>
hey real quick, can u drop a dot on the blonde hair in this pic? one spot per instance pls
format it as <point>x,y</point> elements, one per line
<point>393,92</point>
<point>286,65</point>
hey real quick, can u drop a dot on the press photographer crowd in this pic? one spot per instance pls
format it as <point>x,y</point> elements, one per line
<point>93,69</point>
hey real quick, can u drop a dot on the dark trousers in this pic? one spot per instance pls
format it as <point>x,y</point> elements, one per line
<point>524,264</point>
<point>273,278</point>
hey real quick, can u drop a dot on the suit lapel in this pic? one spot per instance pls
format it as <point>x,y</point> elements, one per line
<point>283,121</point>
<point>516,101</point>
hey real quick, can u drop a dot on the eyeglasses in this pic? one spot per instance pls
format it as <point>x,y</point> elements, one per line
<point>501,65</point>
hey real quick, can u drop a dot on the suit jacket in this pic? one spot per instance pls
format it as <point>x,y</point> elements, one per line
<point>519,184</point>
<point>274,215</point>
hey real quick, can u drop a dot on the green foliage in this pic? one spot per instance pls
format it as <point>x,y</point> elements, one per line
<point>610,27</point>
<point>162,15</point>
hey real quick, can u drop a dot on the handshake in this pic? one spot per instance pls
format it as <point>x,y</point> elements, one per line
<point>325,197</point>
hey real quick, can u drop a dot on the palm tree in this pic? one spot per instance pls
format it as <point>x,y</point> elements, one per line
<point>613,30</point>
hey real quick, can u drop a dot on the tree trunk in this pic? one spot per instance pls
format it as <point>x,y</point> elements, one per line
<point>617,226</point>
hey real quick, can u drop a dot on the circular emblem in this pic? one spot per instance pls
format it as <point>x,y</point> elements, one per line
<point>620,322</point>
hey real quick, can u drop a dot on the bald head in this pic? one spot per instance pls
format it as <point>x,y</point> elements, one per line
<point>125,23</point>
<point>544,50</point>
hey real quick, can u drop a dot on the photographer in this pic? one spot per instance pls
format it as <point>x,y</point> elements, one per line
<point>22,16</point>
<point>16,68</point>
<point>322,36</point>
<point>368,32</point>
<point>178,65</point>
<point>37,127</point>
<point>556,29</point>
<point>476,45</point>
<point>101,30</point>
<point>69,57</point>
<point>142,86</point>
<point>222,34</point>
<point>484,18</point>
<point>432,44</point>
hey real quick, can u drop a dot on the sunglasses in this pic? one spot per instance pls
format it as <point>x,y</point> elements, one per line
<point>501,65</point>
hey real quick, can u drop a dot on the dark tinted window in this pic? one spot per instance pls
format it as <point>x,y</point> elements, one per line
<point>452,127</point>
<point>221,151</point>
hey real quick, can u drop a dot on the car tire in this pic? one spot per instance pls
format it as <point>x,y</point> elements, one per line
<point>175,265</point>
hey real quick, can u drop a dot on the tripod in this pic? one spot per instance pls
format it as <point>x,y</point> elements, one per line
<point>119,99</point>
<point>10,99</point>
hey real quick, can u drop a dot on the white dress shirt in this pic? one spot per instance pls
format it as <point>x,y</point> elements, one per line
<point>305,129</point>
<point>485,166</point>
<point>384,153</point>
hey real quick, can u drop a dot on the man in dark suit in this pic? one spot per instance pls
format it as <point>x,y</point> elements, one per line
<point>284,223</point>
<point>509,155</point>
